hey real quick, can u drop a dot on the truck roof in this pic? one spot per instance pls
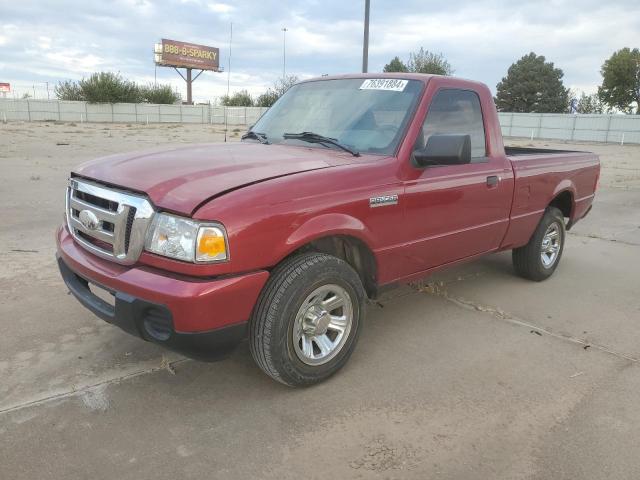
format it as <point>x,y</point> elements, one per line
<point>422,77</point>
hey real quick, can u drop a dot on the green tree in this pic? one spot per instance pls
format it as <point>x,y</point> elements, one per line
<point>621,80</point>
<point>273,93</point>
<point>424,61</point>
<point>238,99</point>
<point>395,65</point>
<point>267,98</point>
<point>532,85</point>
<point>590,104</point>
<point>68,90</point>
<point>160,94</point>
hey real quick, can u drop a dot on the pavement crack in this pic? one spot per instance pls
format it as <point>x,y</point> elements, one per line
<point>438,289</point>
<point>74,390</point>
<point>597,237</point>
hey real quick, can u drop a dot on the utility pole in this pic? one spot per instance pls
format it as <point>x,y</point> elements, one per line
<point>48,98</point>
<point>365,44</point>
<point>284,53</point>
<point>229,63</point>
<point>226,124</point>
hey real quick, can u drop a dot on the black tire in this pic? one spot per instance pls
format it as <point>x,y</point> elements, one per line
<point>273,318</point>
<point>527,260</point>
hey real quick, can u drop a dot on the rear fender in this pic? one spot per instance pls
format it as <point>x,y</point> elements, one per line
<point>566,185</point>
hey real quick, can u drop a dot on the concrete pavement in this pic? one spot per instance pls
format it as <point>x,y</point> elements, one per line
<point>475,373</point>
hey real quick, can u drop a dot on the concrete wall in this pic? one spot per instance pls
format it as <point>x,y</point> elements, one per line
<point>594,128</point>
<point>41,110</point>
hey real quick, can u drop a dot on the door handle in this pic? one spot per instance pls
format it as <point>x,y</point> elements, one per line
<point>493,180</point>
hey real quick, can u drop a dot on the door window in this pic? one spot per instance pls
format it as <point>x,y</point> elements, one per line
<point>455,111</point>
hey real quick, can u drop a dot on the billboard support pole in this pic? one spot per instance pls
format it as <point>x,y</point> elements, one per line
<point>180,73</point>
<point>189,81</point>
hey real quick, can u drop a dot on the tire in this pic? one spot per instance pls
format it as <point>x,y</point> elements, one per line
<point>286,327</point>
<point>529,261</point>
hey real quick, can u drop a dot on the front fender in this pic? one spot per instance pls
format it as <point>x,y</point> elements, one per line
<point>327,225</point>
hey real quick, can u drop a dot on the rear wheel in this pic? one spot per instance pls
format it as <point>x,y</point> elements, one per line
<point>539,258</point>
<point>307,320</point>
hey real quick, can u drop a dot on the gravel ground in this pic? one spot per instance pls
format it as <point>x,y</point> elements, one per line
<point>476,374</point>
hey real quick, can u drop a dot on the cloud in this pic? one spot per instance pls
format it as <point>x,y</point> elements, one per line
<point>51,40</point>
<point>220,8</point>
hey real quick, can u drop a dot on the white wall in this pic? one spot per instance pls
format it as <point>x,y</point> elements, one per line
<point>558,126</point>
<point>30,110</point>
<point>595,128</point>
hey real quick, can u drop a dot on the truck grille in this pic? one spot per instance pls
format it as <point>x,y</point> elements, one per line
<point>108,222</point>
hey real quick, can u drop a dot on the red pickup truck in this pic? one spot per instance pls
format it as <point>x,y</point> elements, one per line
<point>347,185</point>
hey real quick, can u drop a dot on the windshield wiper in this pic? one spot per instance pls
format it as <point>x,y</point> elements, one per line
<point>261,137</point>
<point>311,137</point>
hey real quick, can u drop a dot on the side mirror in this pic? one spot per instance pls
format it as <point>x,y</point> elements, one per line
<point>444,150</point>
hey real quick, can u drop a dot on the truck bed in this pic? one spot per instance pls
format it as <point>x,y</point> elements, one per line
<point>520,151</point>
<point>540,176</point>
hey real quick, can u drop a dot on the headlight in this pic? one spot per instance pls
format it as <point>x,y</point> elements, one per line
<point>187,240</point>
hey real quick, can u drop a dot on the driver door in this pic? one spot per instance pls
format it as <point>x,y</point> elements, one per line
<point>457,211</point>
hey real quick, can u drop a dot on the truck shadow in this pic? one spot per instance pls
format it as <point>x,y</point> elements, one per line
<point>398,317</point>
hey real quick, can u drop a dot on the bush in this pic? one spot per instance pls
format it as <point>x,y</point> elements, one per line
<point>160,94</point>
<point>108,87</point>
<point>68,90</point>
<point>267,99</point>
<point>238,99</point>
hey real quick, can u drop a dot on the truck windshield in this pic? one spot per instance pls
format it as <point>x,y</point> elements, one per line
<point>367,115</point>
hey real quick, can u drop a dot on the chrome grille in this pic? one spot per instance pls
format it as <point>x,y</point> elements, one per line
<point>108,222</point>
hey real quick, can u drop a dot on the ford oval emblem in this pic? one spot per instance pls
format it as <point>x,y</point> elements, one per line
<point>88,220</point>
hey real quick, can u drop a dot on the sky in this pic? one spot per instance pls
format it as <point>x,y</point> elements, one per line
<point>49,41</point>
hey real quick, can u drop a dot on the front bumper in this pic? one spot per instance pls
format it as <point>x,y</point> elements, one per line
<point>200,318</point>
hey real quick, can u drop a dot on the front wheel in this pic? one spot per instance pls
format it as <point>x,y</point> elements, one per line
<point>539,258</point>
<point>307,320</point>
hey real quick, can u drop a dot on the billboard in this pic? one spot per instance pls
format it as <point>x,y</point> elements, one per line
<point>172,53</point>
<point>5,87</point>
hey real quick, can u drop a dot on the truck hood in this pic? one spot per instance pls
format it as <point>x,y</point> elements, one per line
<point>180,179</point>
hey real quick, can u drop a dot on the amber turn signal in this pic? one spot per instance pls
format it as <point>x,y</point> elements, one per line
<point>211,245</point>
